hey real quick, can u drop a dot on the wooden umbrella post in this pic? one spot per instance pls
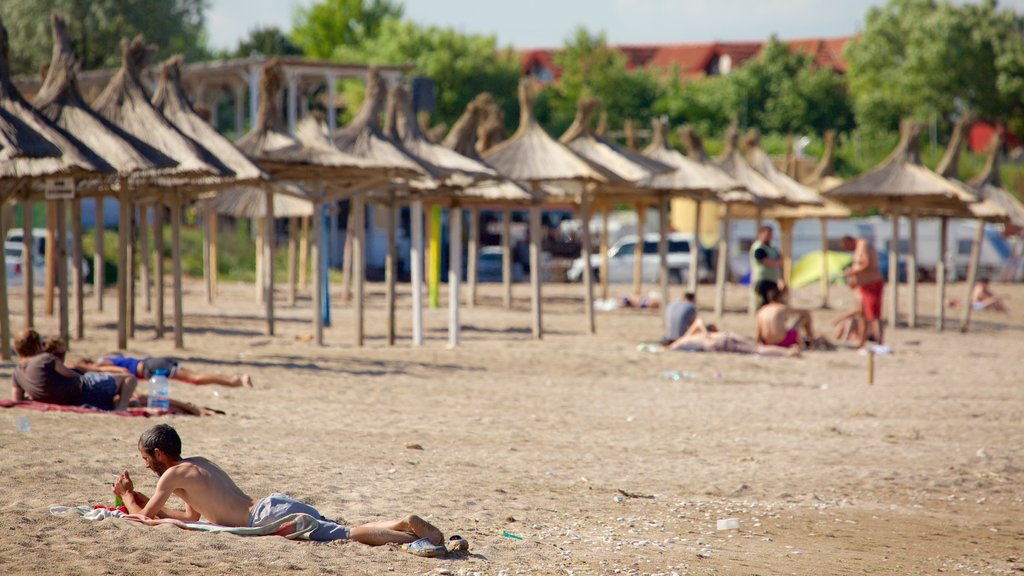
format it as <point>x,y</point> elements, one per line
<point>912,272</point>
<point>5,313</point>
<point>472,255</point>
<point>871,367</point>
<point>268,259</point>
<point>824,280</point>
<point>316,257</point>
<point>416,270</point>
<point>359,267</point>
<point>638,250</point>
<point>61,268</point>
<point>588,284</point>
<point>752,299</point>
<point>214,270</point>
<point>179,332</point>
<point>506,258</point>
<point>76,259</point>
<point>940,275</point>
<point>347,254</point>
<point>144,258</point>
<point>293,260</point>
<point>972,276</point>
<point>207,258</point>
<point>390,268</point>
<point>603,250</point>
<point>786,229</point>
<point>454,271</point>
<point>51,256</point>
<point>722,264</point>
<point>258,284</point>
<point>98,264</point>
<point>158,247</point>
<point>695,251</point>
<point>663,231</point>
<point>535,271</point>
<point>124,226</point>
<point>132,269</point>
<point>894,274</point>
<point>27,263</point>
<point>304,256</point>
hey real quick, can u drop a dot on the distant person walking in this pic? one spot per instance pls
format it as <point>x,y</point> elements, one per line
<point>765,266</point>
<point>866,275</point>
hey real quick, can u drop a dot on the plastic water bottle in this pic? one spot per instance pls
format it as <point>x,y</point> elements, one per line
<point>159,391</point>
<point>23,424</point>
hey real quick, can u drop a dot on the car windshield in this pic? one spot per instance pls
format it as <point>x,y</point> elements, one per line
<point>12,252</point>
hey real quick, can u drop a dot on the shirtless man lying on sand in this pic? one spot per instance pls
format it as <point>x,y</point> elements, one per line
<point>208,492</point>
<point>706,338</point>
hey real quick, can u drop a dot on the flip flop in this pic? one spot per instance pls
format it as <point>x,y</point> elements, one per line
<point>457,544</point>
<point>424,548</point>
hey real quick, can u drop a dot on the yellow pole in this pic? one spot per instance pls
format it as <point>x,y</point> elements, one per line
<point>434,264</point>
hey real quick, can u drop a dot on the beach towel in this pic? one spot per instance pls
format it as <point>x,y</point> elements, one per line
<point>292,526</point>
<point>44,407</point>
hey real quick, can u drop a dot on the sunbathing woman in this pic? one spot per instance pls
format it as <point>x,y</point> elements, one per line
<point>707,338</point>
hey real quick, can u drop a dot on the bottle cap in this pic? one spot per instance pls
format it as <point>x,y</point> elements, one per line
<point>160,372</point>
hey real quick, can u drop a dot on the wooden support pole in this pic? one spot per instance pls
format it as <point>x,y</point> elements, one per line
<point>454,271</point>
<point>145,258</point>
<point>663,231</point>
<point>259,285</point>
<point>472,255</point>
<point>179,321</point>
<point>912,271</point>
<point>158,280</point>
<point>786,231</point>
<point>348,258</point>
<point>316,257</point>
<point>506,258</point>
<point>76,260</point>
<point>871,367</point>
<point>972,276</point>
<point>268,258</point>
<point>824,280</point>
<point>123,228</point>
<point>61,269</point>
<point>638,250</point>
<point>723,263</point>
<point>293,260</point>
<point>98,263</point>
<point>416,270</point>
<point>28,263</point>
<point>5,312</point>
<point>588,284</point>
<point>132,270</point>
<point>894,275</point>
<point>214,270</point>
<point>51,256</point>
<point>603,250</point>
<point>304,256</point>
<point>359,267</point>
<point>207,258</point>
<point>535,271</point>
<point>940,276</point>
<point>693,275</point>
<point>390,258</point>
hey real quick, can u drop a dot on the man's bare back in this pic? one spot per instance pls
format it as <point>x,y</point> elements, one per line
<point>865,269</point>
<point>771,323</point>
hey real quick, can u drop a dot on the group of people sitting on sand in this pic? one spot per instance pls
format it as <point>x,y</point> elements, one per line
<point>109,383</point>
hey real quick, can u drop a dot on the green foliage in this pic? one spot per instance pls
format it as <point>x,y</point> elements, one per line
<point>590,68</point>
<point>926,59</point>
<point>96,28</point>
<point>702,104</point>
<point>462,65</point>
<point>330,25</point>
<point>266,41</point>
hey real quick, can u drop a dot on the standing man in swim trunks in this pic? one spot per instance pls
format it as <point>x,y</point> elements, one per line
<point>209,493</point>
<point>772,319</point>
<point>866,274</point>
<point>765,265</point>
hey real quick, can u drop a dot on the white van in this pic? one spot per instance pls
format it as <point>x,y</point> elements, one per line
<point>621,258</point>
<point>14,252</point>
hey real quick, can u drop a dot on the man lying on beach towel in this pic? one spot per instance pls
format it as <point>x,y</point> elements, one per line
<point>209,492</point>
<point>145,368</point>
<point>42,377</point>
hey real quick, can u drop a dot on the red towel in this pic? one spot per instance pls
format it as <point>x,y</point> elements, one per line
<point>44,407</point>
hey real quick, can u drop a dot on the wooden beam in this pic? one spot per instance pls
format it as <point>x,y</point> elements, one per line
<point>506,258</point>
<point>472,255</point>
<point>61,270</point>
<point>824,280</point>
<point>158,281</point>
<point>359,268</point>
<point>912,271</point>
<point>76,261</point>
<point>145,258</point>
<point>389,269</point>
<point>894,275</point>
<point>98,263</point>
<point>304,255</point>
<point>603,251</point>
<point>663,232</point>
<point>638,250</point>
<point>416,270</point>
<point>588,282</point>
<point>51,256</point>
<point>293,260</point>
<point>535,271</point>
<point>5,312</point>
<point>123,228</point>
<point>268,258</point>
<point>972,276</point>
<point>454,271</point>
<point>179,322</point>
<point>316,256</point>
<point>940,275</point>
<point>722,264</point>
<point>695,252</point>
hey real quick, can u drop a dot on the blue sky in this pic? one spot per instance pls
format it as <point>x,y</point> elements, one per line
<point>546,23</point>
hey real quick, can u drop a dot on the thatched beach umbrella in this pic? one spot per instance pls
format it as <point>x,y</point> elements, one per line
<point>306,157</point>
<point>533,157</point>
<point>902,185</point>
<point>688,179</point>
<point>60,100</point>
<point>31,148</point>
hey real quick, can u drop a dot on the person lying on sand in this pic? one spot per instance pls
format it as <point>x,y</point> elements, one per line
<point>982,298</point>
<point>772,319</point>
<point>145,368</point>
<point>706,338</point>
<point>209,493</point>
<point>43,377</point>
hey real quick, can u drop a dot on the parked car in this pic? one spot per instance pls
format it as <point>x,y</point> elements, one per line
<point>13,257</point>
<point>621,258</point>
<point>488,267</point>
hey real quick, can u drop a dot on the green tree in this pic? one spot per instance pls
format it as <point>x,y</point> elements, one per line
<point>930,60</point>
<point>702,103</point>
<point>97,27</point>
<point>591,68</point>
<point>267,41</point>
<point>331,25</point>
<point>462,65</point>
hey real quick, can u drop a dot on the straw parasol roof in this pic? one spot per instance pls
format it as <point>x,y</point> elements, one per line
<point>695,152</point>
<point>700,181</point>
<point>619,163</point>
<point>60,100</point>
<point>901,181</point>
<point>989,185</point>
<point>171,100</point>
<point>308,156</point>
<point>530,155</point>
<point>30,145</point>
<point>822,178</point>
<point>792,192</point>
<point>250,202</point>
<point>491,128</point>
<point>949,168</point>
<point>364,138</point>
<point>125,103</point>
<point>403,128</point>
<point>735,164</point>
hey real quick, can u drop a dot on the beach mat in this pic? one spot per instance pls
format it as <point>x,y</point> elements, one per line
<point>293,526</point>
<point>131,412</point>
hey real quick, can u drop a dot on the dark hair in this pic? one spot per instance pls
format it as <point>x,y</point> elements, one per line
<point>56,347</point>
<point>161,436</point>
<point>688,295</point>
<point>28,343</point>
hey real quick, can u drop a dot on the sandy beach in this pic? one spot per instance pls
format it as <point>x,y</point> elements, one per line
<point>576,444</point>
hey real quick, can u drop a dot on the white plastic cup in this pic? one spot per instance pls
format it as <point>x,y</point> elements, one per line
<point>728,524</point>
